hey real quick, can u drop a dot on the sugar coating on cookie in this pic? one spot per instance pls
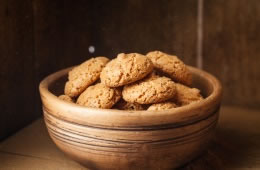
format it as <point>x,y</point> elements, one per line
<point>66,98</point>
<point>172,66</point>
<point>162,106</point>
<point>123,105</point>
<point>84,75</point>
<point>125,69</point>
<point>186,95</point>
<point>99,96</point>
<point>152,89</point>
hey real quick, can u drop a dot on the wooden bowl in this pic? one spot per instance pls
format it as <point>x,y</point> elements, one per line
<point>116,139</point>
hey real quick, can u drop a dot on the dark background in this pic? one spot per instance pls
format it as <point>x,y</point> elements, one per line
<point>39,37</point>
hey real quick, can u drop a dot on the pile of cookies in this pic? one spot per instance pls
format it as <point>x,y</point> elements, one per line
<point>155,81</point>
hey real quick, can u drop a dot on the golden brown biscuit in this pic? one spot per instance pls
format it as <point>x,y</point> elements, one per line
<point>84,75</point>
<point>125,69</point>
<point>152,89</point>
<point>162,106</point>
<point>123,105</point>
<point>99,96</point>
<point>172,66</point>
<point>66,98</point>
<point>186,95</point>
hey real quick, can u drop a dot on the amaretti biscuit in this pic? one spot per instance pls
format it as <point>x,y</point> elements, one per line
<point>125,69</point>
<point>84,75</point>
<point>123,105</point>
<point>162,106</point>
<point>152,89</point>
<point>172,66</point>
<point>186,95</point>
<point>157,81</point>
<point>66,98</point>
<point>99,96</point>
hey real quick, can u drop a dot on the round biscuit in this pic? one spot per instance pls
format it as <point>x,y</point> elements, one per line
<point>82,76</point>
<point>99,96</point>
<point>123,105</point>
<point>172,66</point>
<point>152,89</point>
<point>66,98</point>
<point>186,95</point>
<point>162,106</point>
<point>126,69</point>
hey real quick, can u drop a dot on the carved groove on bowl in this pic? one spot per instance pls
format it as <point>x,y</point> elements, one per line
<point>125,141</point>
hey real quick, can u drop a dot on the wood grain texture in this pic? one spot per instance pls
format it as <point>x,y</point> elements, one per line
<point>64,31</point>
<point>17,87</point>
<point>231,48</point>
<point>235,146</point>
<point>62,35</point>
<point>142,26</point>
<point>33,149</point>
<point>48,39</point>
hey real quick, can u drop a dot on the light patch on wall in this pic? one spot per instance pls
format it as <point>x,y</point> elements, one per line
<point>91,49</point>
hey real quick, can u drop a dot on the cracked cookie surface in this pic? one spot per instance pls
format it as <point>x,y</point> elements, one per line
<point>152,89</point>
<point>162,106</point>
<point>123,105</point>
<point>125,69</point>
<point>99,96</point>
<point>84,75</point>
<point>171,65</point>
<point>186,95</point>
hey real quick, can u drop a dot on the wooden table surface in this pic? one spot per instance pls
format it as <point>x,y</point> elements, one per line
<point>236,146</point>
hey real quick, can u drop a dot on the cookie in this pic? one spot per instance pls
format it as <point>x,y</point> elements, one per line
<point>186,95</point>
<point>152,89</point>
<point>99,96</point>
<point>123,105</point>
<point>172,66</point>
<point>126,69</point>
<point>84,75</point>
<point>66,98</point>
<point>162,106</point>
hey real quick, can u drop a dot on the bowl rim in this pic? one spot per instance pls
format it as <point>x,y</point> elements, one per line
<point>124,119</point>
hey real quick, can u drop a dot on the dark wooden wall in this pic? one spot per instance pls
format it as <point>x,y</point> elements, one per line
<point>232,48</point>
<point>18,88</point>
<point>38,37</point>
